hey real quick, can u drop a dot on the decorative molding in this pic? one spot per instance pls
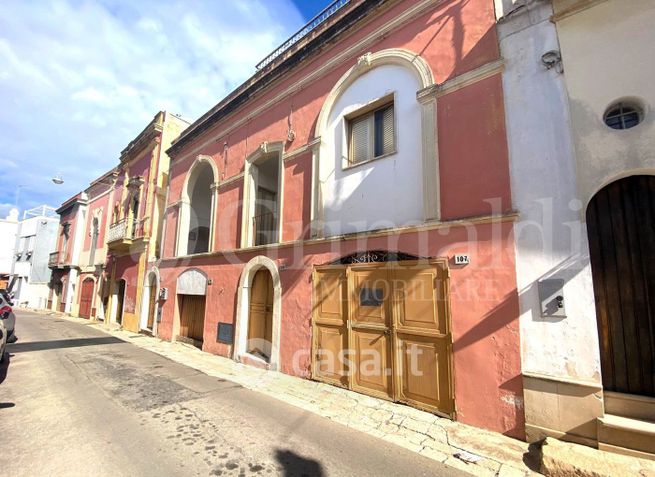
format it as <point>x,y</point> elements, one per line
<point>430,159</point>
<point>412,61</point>
<point>426,227</point>
<point>302,149</point>
<point>243,309</point>
<point>264,148</point>
<point>191,282</point>
<point>567,380</point>
<point>461,81</point>
<point>572,9</point>
<point>184,212</point>
<point>318,73</point>
<point>230,180</point>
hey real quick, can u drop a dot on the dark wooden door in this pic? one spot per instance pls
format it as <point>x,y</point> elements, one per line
<point>192,316</point>
<point>152,303</point>
<point>86,298</point>
<point>621,228</point>
<point>260,320</point>
<point>120,297</point>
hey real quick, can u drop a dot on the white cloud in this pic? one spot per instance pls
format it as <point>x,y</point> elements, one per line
<point>79,79</point>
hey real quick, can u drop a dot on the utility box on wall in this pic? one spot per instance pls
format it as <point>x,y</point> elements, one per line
<point>551,296</point>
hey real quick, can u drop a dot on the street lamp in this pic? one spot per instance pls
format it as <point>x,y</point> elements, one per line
<point>58,179</point>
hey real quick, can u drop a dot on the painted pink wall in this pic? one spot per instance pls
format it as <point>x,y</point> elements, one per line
<point>95,204</point>
<point>484,309</point>
<point>127,269</point>
<point>70,216</point>
<point>455,37</point>
<point>473,157</point>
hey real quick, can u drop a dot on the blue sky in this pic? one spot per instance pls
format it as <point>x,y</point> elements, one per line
<point>79,79</point>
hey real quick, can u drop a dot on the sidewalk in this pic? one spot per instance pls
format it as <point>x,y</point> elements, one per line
<point>473,450</point>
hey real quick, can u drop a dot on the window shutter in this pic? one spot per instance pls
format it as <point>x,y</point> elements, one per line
<point>384,137</point>
<point>359,140</point>
<point>387,131</point>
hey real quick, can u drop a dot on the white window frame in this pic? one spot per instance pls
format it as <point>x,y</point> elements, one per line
<point>250,191</point>
<point>369,109</point>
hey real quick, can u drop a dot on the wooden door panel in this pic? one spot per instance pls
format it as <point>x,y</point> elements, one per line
<point>330,333</point>
<point>621,231</point>
<point>192,316</point>
<point>152,305</point>
<point>422,336</point>
<point>373,368</point>
<point>330,364</point>
<point>86,298</point>
<point>370,297</point>
<point>425,372</point>
<point>330,296</point>
<point>416,301</point>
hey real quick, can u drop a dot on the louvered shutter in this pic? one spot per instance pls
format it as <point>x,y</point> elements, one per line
<point>384,135</point>
<point>360,133</point>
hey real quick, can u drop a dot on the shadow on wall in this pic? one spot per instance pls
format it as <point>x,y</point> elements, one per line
<point>295,465</point>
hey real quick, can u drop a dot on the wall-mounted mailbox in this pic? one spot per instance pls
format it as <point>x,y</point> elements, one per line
<point>551,295</point>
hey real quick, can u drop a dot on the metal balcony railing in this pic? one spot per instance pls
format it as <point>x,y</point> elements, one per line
<point>127,229</point>
<point>264,228</point>
<point>53,259</point>
<point>326,13</point>
<point>118,231</point>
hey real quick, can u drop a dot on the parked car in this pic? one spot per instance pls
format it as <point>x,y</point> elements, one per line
<point>3,341</point>
<point>7,317</point>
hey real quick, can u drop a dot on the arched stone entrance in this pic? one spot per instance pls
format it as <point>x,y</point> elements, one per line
<point>621,231</point>
<point>259,314</point>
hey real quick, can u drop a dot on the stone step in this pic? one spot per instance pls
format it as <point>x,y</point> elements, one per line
<point>630,405</point>
<point>627,436</point>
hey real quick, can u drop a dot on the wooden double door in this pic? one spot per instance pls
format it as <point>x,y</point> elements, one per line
<point>383,330</point>
<point>192,317</point>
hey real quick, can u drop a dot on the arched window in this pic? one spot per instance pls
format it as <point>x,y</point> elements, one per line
<point>197,209</point>
<point>95,230</point>
<point>377,131</point>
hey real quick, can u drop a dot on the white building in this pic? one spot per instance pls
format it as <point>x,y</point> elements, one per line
<point>8,227</point>
<point>35,238</point>
<point>581,135</point>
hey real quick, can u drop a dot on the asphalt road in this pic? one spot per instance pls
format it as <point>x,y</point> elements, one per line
<point>75,401</point>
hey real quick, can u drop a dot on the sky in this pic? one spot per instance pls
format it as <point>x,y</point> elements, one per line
<point>80,79</point>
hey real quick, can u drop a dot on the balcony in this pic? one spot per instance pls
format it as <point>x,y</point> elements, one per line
<point>58,260</point>
<point>125,233</point>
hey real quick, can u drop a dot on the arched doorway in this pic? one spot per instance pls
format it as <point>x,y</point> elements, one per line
<point>259,311</point>
<point>149,300</point>
<point>621,230</point>
<point>260,316</point>
<point>86,298</point>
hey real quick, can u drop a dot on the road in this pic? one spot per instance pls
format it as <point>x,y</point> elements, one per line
<point>76,401</point>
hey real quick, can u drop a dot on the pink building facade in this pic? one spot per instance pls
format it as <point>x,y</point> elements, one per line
<point>353,198</point>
